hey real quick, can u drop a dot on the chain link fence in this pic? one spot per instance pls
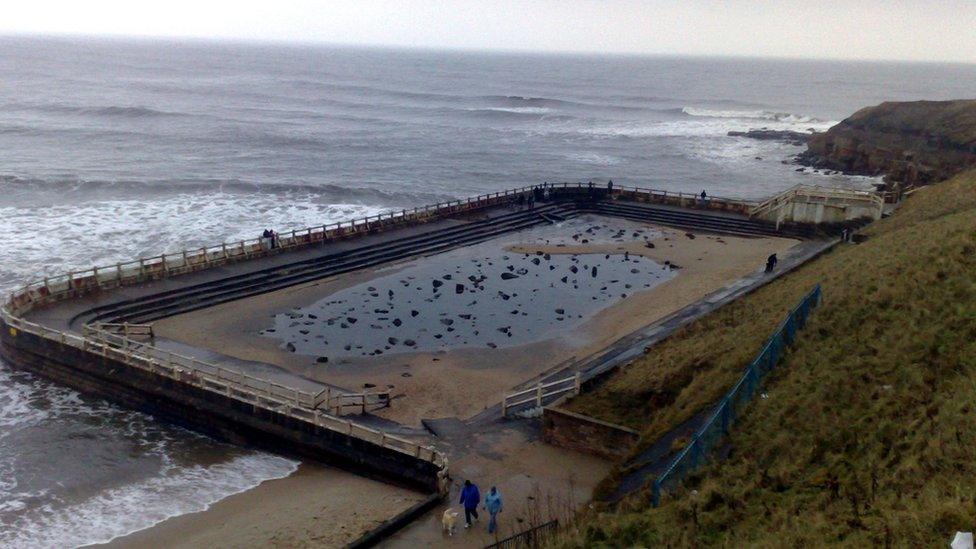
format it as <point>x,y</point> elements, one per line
<point>724,415</point>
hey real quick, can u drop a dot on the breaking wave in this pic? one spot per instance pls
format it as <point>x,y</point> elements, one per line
<point>753,114</point>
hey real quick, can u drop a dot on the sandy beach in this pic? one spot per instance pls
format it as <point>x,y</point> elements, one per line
<point>317,506</point>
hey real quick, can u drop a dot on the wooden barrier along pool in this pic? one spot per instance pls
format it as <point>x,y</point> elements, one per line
<point>118,360</point>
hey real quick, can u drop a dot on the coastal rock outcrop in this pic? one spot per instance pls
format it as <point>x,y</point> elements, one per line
<point>910,143</point>
<point>786,136</point>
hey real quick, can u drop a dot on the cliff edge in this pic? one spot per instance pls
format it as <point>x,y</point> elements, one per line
<point>912,143</point>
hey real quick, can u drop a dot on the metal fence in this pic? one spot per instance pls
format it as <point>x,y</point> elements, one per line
<point>724,415</point>
<point>533,537</point>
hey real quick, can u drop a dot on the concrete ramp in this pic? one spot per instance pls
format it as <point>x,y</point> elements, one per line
<point>811,204</point>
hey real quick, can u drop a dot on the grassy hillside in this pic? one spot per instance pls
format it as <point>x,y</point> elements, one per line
<point>868,435</point>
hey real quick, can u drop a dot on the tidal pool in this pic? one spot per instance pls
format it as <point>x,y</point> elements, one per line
<point>480,296</point>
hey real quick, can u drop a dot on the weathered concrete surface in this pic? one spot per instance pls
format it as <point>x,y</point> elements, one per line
<point>210,412</point>
<point>586,434</point>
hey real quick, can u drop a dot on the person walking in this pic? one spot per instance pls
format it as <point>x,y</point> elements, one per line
<point>470,498</point>
<point>493,504</point>
<point>771,263</point>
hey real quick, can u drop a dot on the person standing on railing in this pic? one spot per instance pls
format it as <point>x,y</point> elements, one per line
<point>493,504</point>
<point>470,498</point>
<point>610,188</point>
<point>703,197</point>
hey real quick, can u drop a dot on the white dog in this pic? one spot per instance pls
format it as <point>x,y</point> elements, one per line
<point>448,520</point>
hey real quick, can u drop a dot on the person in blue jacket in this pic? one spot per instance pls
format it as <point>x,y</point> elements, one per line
<point>493,504</point>
<point>470,498</point>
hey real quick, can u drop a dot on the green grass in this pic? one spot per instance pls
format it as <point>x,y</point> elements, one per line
<point>869,432</point>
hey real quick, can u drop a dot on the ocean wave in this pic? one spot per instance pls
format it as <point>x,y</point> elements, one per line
<point>319,192</point>
<point>123,510</point>
<point>751,114</point>
<point>108,111</point>
<point>525,110</point>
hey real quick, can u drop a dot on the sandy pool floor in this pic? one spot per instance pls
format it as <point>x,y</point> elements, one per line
<point>317,506</point>
<point>461,382</point>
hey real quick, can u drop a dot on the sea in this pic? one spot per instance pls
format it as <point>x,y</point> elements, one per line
<point>112,149</point>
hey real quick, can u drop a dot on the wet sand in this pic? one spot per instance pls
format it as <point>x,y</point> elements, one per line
<point>316,506</point>
<point>461,382</point>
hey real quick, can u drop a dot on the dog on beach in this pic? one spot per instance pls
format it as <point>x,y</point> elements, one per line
<point>448,520</point>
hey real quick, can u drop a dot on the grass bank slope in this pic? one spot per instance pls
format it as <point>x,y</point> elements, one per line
<point>868,435</point>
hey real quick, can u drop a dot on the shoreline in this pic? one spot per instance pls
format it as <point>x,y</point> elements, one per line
<point>316,505</point>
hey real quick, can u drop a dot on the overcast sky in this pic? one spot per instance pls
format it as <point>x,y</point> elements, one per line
<point>931,30</point>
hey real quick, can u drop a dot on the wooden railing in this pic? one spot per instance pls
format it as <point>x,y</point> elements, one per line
<point>124,329</point>
<point>294,402</point>
<point>537,395</point>
<point>815,192</point>
<point>140,270</point>
<point>239,386</point>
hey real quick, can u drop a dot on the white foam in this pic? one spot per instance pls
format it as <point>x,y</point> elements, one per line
<point>54,239</point>
<point>751,114</point>
<point>121,511</point>
<point>520,110</point>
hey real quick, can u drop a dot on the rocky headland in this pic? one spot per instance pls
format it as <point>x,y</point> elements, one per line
<point>910,143</point>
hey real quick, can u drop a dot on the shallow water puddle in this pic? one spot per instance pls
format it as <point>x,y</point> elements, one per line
<point>481,296</point>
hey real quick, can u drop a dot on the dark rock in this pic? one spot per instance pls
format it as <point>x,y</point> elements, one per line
<point>322,359</point>
<point>508,276</point>
<point>785,136</point>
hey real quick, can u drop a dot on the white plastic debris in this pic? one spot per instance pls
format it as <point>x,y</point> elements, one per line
<point>963,540</point>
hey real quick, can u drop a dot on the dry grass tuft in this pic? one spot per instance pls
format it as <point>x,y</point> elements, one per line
<point>868,436</point>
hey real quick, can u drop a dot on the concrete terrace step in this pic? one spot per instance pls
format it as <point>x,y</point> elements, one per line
<point>190,298</point>
<point>692,220</point>
<point>228,289</point>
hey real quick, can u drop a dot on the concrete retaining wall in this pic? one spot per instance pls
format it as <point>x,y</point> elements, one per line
<point>217,415</point>
<point>586,434</point>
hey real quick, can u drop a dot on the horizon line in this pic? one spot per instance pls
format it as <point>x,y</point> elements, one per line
<point>285,42</point>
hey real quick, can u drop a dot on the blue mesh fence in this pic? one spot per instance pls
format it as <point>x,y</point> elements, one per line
<point>721,419</point>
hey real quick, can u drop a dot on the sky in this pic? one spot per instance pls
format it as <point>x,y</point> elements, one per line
<point>932,30</point>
